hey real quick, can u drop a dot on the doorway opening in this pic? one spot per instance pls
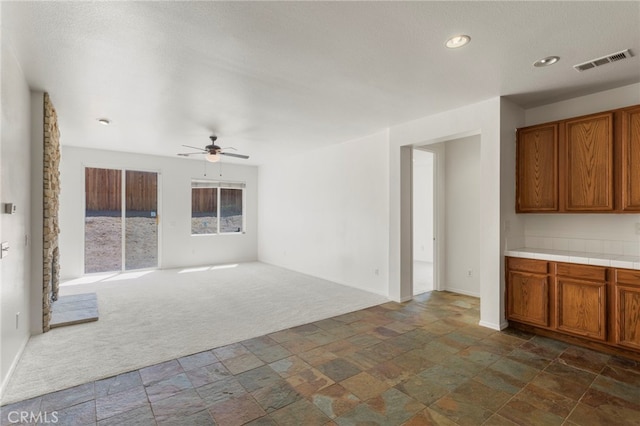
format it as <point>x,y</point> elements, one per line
<point>423,221</point>
<point>121,220</point>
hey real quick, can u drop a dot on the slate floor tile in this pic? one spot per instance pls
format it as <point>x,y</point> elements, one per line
<point>200,359</point>
<point>390,408</point>
<point>181,404</point>
<point>546,400</point>
<point>161,371</point>
<point>220,390</point>
<point>208,374</point>
<point>117,383</point>
<point>338,369</point>
<point>334,400</point>
<point>463,413</point>
<point>364,386</point>
<point>301,412</point>
<point>236,411</point>
<point>141,416</point>
<point>83,414</point>
<point>422,362</point>
<point>242,363</point>
<point>258,378</point>
<point>117,403</point>
<point>587,415</point>
<point>276,396</point>
<point>584,359</point>
<point>168,387</point>
<point>271,353</point>
<point>523,413</point>
<point>68,397</point>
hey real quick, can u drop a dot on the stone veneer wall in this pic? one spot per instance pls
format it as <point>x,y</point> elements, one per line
<point>51,196</point>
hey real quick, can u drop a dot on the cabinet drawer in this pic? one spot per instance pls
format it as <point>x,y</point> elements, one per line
<point>593,273</point>
<point>628,276</point>
<point>528,265</point>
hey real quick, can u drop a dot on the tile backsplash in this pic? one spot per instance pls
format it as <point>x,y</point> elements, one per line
<point>611,247</point>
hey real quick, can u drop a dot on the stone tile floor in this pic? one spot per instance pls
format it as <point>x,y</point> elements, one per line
<point>419,363</point>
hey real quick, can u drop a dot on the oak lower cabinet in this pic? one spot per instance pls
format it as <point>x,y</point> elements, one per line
<point>627,308</point>
<point>528,291</point>
<point>581,300</point>
<point>593,306</point>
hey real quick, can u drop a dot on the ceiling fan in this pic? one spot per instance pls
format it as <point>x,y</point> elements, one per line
<point>212,151</point>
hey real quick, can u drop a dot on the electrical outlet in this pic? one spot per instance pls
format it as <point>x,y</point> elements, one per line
<point>470,273</point>
<point>376,272</point>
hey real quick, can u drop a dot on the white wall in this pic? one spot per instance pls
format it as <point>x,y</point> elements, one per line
<point>325,213</point>
<point>463,227</point>
<point>478,119</point>
<point>177,247</point>
<point>604,233</point>
<point>422,206</point>
<point>15,151</point>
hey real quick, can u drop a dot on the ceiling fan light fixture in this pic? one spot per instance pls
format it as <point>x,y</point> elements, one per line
<point>458,41</point>
<point>213,157</point>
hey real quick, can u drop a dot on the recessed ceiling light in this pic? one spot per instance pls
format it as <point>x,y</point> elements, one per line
<point>104,121</point>
<point>457,41</point>
<point>545,62</point>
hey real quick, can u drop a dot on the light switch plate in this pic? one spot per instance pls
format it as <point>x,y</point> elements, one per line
<point>4,249</point>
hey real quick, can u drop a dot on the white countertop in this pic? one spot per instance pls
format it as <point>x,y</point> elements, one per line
<point>598,259</point>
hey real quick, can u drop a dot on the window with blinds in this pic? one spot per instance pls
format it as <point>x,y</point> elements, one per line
<point>217,207</point>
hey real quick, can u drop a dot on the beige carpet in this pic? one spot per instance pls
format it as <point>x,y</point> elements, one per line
<point>154,316</point>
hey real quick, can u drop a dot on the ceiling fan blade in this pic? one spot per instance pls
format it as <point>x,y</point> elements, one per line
<point>231,154</point>
<point>186,154</point>
<point>195,147</point>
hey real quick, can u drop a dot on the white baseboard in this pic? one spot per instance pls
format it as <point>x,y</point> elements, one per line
<point>5,381</point>
<point>493,325</point>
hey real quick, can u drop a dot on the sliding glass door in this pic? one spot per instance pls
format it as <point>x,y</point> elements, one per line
<point>121,220</point>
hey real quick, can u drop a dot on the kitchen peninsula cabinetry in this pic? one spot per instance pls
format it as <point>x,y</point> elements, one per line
<point>593,306</point>
<point>582,296</point>
<point>528,291</point>
<point>588,164</point>
<point>627,308</point>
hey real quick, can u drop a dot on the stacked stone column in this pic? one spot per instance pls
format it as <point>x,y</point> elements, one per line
<point>51,199</point>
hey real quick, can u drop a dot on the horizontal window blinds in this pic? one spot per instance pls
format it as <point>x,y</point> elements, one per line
<point>216,184</point>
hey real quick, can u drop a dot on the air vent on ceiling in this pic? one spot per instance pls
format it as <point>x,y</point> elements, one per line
<point>618,56</point>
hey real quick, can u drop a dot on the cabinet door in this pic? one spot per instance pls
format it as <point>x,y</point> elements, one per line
<point>581,307</point>
<point>631,160</point>
<point>627,309</point>
<point>537,169</point>
<point>589,163</point>
<point>528,298</point>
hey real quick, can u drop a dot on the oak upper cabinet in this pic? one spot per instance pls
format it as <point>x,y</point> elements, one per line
<point>627,308</point>
<point>630,160</point>
<point>581,300</point>
<point>537,169</point>
<point>589,182</point>
<point>528,291</point>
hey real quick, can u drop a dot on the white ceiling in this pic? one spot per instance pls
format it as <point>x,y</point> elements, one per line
<point>281,77</point>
